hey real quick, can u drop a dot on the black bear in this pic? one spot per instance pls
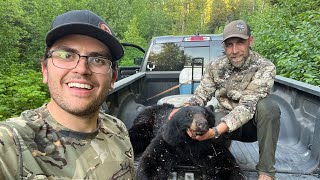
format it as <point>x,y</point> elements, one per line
<point>166,144</point>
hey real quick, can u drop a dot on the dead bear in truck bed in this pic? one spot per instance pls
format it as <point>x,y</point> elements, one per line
<point>171,146</point>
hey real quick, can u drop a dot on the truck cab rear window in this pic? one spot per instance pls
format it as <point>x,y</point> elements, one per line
<point>174,56</point>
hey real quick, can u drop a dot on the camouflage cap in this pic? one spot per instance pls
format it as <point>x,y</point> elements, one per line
<point>238,29</point>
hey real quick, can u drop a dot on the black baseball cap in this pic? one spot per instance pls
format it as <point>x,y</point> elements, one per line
<point>87,23</point>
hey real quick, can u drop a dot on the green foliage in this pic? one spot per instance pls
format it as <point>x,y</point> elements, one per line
<point>116,13</point>
<point>129,56</point>
<point>286,31</point>
<point>151,19</point>
<point>168,57</point>
<point>133,34</point>
<point>20,89</point>
<point>293,44</point>
<point>12,31</point>
<point>38,15</point>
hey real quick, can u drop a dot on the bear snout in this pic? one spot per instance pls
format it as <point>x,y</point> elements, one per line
<point>202,125</point>
<point>199,125</point>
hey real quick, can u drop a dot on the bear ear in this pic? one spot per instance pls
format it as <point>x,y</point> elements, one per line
<point>210,108</point>
<point>210,115</point>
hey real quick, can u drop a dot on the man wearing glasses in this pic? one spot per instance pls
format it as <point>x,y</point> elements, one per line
<point>69,138</point>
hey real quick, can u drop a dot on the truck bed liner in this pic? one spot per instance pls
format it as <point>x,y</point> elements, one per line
<point>293,158</point>
<point>292,161</point>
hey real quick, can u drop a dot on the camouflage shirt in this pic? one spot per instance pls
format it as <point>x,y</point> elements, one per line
<point>35,146</point>
<point>237,89</point>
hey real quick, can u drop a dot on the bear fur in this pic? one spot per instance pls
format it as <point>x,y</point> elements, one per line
<point>166,144</point>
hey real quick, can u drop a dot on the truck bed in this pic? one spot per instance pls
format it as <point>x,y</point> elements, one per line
<point>298,150</point>
<point>294,155</point>
<point>292,160</point>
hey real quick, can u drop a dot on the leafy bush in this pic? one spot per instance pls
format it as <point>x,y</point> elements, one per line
<point>290,39</point>
<point>20,89</point>
<point>287,32</point>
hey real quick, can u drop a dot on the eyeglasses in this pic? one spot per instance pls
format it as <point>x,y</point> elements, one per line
<point>69,60</point>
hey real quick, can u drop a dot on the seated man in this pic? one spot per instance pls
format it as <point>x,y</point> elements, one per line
<point>241,82</point>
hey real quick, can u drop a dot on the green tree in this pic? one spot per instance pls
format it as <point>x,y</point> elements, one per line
<point>132,35</point>
<point>286,31</point>
<point>170,57</point>
<point>12,32</point>
<point>151,20</point>
<point>117,13</point>
<point>288,34</point>
<point>20,89</point>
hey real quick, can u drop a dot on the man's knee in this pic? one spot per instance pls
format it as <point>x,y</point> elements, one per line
<point>267,111</point>
<point>267,107</point>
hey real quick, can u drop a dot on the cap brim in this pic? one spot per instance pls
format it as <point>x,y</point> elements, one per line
<point>242,36</point>
<point>88,30</point>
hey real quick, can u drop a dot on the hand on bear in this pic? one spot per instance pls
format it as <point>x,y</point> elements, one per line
<point>208,135</point>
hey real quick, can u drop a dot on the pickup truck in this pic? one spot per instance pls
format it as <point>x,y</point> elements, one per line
<point>157,79</point>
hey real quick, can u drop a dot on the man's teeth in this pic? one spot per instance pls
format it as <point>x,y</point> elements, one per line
<point>78,85</point>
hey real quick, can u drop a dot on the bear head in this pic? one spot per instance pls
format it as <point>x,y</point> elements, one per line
<point>196,119</point>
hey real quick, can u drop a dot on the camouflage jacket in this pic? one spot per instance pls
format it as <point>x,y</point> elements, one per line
<point>237,89</point>
<point>35,146</point>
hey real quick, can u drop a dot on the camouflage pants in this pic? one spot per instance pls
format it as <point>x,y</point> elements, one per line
<point>264,127</point>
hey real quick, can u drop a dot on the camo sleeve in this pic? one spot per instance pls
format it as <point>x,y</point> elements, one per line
<point>9,162</point>
<point>258,88</point>
<point>37,149</point>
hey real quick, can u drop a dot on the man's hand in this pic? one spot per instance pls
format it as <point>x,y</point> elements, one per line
<point>208,135</point>
<point>221,128</point>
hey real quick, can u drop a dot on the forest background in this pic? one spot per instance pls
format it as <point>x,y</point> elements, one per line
<point>286,32</point>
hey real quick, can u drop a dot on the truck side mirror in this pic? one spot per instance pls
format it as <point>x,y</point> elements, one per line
<point>138,60</point>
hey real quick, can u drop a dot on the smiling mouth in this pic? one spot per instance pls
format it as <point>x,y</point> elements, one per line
<point>236,58</point>
<point>79,85</point>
